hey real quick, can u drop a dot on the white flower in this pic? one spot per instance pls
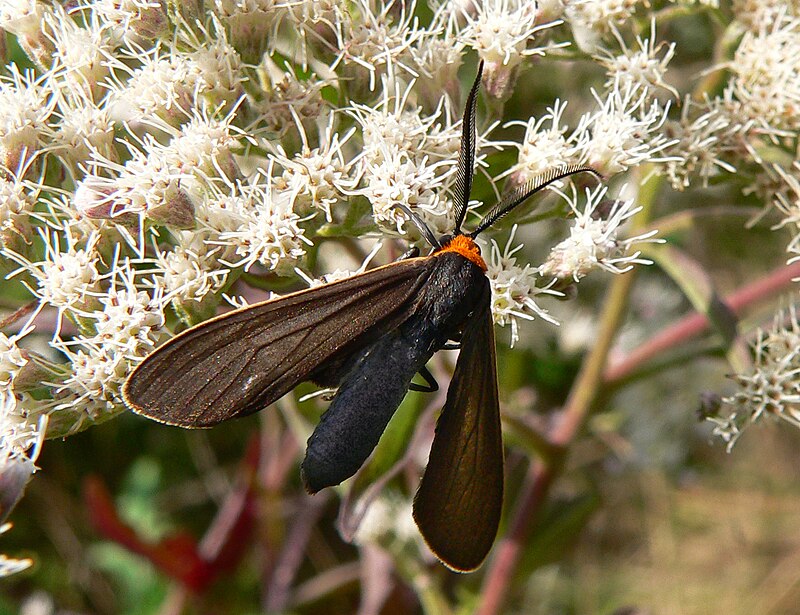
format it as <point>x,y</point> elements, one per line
<point>314,21</point>
<point>388,516</point>
<point>287,100</point>
<point>27,106</point>
<point>163,84</point>
<point>590,17</point>
<point>545,146</point>
<point>128,322</point>
<point>514,288</point>
<point>202,147</point>
<point>17,199</point>
<point>702,136</point>
<point>315,178</point>
<point>787,200</point>
<point>309,13</point>
<point>133,21</point>
<point>396,125</point>
<point>216,214</point>
<point>147,185</point>
<point>12,360</point>
<point>9,565</point>
<point>22,17</point>
<point>437,56</point>
<point>642,68</point>
<point>67,278</point>
<point>397,178</point>
<point>190,274</point>
<point>410,158</point>
<point>265,231</point>
<point>80,51</point>
<point>124,327</point>
<point>500,30</point>
<point>340,274</point>
<point>252,23</point>
<point>756,14</point>
<point>90,392</point>
<point>381,42</point>
<point>83,128</point>
<point>219,65</point>
<point>594,240</point>
<point>20,440</point>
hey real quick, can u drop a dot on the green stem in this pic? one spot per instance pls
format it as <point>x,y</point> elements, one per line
<point>577,408</point>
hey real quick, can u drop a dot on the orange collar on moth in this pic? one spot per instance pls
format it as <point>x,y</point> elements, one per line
<point>466,247</point>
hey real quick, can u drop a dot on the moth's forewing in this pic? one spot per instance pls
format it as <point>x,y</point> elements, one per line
<point>460,498</point>
<point>242,361</point>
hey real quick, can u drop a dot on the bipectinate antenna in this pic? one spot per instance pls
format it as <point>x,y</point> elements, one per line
<point>526,190</point>
<point>466,157</point>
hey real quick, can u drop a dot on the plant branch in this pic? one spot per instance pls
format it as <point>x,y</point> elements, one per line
<point>695,324</point>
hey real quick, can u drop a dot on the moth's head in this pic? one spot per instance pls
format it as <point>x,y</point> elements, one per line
<point>465,246</point>
<point>447,238</point>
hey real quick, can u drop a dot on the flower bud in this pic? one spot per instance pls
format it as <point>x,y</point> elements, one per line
<point>177,212</point>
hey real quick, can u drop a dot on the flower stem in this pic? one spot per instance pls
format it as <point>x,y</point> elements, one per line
<point>540,476</point>
<point>695,324</point>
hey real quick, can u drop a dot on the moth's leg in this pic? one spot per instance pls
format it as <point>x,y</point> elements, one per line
<point>420,224</point>
<point>456,345</point>
<point>411,253</point>
<point>432,385</point>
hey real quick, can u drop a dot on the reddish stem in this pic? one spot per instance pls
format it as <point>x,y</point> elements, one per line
<point>695,324</point>
<point>19,313</point>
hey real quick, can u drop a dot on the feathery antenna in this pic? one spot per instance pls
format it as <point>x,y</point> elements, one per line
<point>525,191</point>
<point>466,157</point>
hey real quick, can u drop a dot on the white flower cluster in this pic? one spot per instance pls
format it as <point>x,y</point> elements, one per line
<point>20,438</point>
<point>150,159</point>
<point>772,389</point>
<point>594,240</point>
<point>514,287</point>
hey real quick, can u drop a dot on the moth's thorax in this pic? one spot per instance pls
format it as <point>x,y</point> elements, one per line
<point>466,247</point>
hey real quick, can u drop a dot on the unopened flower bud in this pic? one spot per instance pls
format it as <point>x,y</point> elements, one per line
<point>177,212</point>
<point>499,80</point>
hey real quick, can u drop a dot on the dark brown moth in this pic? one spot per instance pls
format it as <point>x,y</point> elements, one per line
<point>367,335</point>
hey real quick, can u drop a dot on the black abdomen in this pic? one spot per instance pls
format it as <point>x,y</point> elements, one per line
<point>374,385</point>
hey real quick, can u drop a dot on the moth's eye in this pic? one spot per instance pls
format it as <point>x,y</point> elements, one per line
<point>445,239</point>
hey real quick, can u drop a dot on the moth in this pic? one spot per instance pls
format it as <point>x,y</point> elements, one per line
<point>367,335</point>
